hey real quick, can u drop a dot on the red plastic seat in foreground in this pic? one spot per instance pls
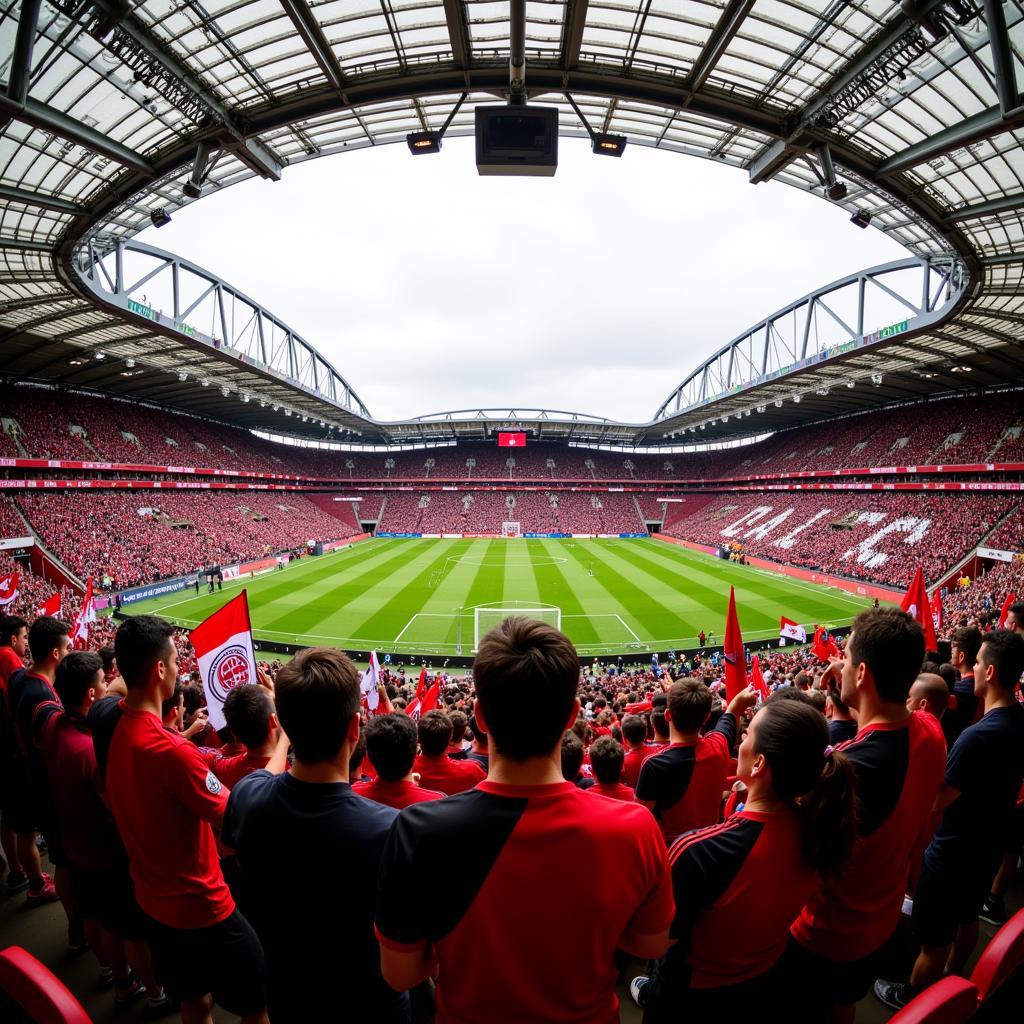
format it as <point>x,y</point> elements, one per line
<point>36,990</point>
<point>950,1001</point>
<point>1002,957</point>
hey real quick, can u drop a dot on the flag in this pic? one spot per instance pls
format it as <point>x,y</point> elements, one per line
<point>937,610</point>
<point>732,649</point>
<point>1003,612</point>
<point>757,680</point>
<point>85,617</point>
<point>824,646</point>
<point>915,602</point>
<point>421,686</point>
<point>418,708</point>
<point>368,684</point>
<point>8,589</point>
<point>510,439</point>
<point>791,630</point>
<point>51,607</point>
<point>224,652</point>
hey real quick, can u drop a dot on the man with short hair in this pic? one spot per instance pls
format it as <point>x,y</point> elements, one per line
<point>606,759</point>
<point>48,643</point>
<point>840,938</point>
<point>457,747</point>
<point>572,755</point>
<point>13,788</point>
<point>965,646</point>
<point>250,715</point>
<point>479,750</point>
<point>634,738</point>
<point>437,771</point>
<point>984,773</point>
<point>929,694</point>
<point>1015,617</point>
<point>391,748</point>
<point>166,804</point>
<point>319,946</point>
<point>495,963</point>
<point>683,784</point>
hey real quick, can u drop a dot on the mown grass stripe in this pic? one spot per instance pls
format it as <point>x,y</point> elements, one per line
<point>555,588</point>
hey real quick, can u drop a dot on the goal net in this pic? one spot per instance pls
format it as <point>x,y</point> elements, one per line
<point>511,530</point>
<point>486,618</point>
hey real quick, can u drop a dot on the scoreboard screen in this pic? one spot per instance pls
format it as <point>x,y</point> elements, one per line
<point>508,439</point>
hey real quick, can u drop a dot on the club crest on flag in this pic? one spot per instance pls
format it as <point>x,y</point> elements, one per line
<point>225,654</point>
<point>229,669</point>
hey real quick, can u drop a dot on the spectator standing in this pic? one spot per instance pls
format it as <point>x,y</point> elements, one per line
<point>13,648</point>
<point>634,738</point>
<point>965,646</point>
<point>495,964</point>
<point>437,771</point>
<point>606,759</point>
<point>391,748</point>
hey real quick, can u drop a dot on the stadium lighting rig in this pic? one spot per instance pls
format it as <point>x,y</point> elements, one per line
<point>424,142</point>
<point>601,143</point>
<point>159,218</point>
<point>861,218</point>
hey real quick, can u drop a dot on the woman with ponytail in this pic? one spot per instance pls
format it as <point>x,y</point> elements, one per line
<point>739,885</point>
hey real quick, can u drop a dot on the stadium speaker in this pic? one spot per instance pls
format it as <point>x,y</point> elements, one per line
<point>519,140</point>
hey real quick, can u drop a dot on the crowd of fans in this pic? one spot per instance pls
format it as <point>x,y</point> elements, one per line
<point>881,536</point>
<point>44,424</point>
<point>744,846</point>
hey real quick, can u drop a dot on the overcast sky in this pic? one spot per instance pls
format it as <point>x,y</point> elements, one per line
<point>430,288</point>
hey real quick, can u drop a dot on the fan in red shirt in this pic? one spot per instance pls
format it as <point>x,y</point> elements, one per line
<point>634,736</point>
<point>532,848</point>
<point>249,713</point>
<point>435,768</point>
<point>606,759</point>
<point>166,803</point>
<point>839,941</point>
<point>683,784</point>
<point>391,747</point>
<point>739,885</point>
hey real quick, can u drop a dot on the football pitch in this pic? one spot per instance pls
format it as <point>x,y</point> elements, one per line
<point>433,597</point>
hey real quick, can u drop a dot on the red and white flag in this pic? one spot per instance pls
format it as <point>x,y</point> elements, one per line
<point>824,646</point>
<point>421,686</point>
<point>51,607</point>
<point>1003,612</point>
<point>418,708</point>
<point>85,618</point>
<point>8,589</point>
<point>369,681</point>
<point>757,679</point>
<point>732,649</point>
<point>791,630</point>
<point>224,651</point>
<point>915,603</point>
<point>937,609</point>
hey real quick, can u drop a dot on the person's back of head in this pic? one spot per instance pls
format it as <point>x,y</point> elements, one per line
<point>317,696</point>
<point>477,733</point>
<point>789,693</point>
<point>793,738</point>
<point>816,698</point>
<point>949,674</point>
<point>1015,617</point>
<point>78,673</point>
<point>459,725</point>
<point>802,681</point>
<point>929,692</point>
<point>572,756</point>
<point>606,758</point>
<point>141,642</point>
<point>435,733</point>
<point>634,730</point>
<point>391,745</point>
<point>1002,659</point>
<point>659,723</point>
<point>109,660</point>
<point>689,704</point>
<point>523,664</point>
<point>887,644</point>
<point>46,639</point>
<point>967,642</point>
<point>247,711</point>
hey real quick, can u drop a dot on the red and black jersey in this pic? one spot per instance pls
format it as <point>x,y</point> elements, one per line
<point>685,782</point>
<point>525,929</point>
<point>632,762</point>
<point>899,768</point>
<point>737,886</point>
<point>397,793</point>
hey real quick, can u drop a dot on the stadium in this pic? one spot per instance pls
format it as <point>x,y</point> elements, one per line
<point>169,442</point>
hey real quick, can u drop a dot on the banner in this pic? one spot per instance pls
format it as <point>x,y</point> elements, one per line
<point>51,607</point>
<point>368,683</point>
<point>170,586</point>
<point>792,630</point>
<point>85,617</point>
<point>8,589</point>
<point>224,651</point>
<point>732,649</point>
<point>916,603</point>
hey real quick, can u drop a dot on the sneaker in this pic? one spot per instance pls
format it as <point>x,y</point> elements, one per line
<point>77,942</point>
<point>993,910</point>
<point>637,987</point>
<point>45,892</point>
<point>16,881</point>
<point>894,993</point>
<point>128,990</point>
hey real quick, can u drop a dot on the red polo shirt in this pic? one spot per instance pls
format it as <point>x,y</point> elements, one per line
<point>397,794</point>
<point>631,764</point>
<point>443,774</point>
<point>163,798</point>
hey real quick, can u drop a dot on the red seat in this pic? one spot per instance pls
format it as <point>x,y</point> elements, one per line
<point>950,1001</point>
<point>1002,956</point>
<point>38,991</point>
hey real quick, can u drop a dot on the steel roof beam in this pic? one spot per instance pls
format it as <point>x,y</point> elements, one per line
<point>572,32</point>
<point>24,43</point>
<point>1003,204</point>
<point>315,41</point>
<point>1004,260</point>
<point>17,243</point>
<point>458,31</point>
<point>981,126</point>
<point>41,201</point>
<point>1002,56</point>
<point>722,35</point>
<point>49,119</point>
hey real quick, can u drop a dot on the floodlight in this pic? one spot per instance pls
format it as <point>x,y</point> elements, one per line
<point>836,191</point>
<point>604,144</point>
<point>160,218</point>
<point>862,218</point>
<point>423,142</point>
<point>192,190</point>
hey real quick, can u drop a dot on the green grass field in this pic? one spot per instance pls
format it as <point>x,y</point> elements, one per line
<point>420,596</point>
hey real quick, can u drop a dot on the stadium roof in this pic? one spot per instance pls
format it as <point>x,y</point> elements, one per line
<point>114,112</point>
